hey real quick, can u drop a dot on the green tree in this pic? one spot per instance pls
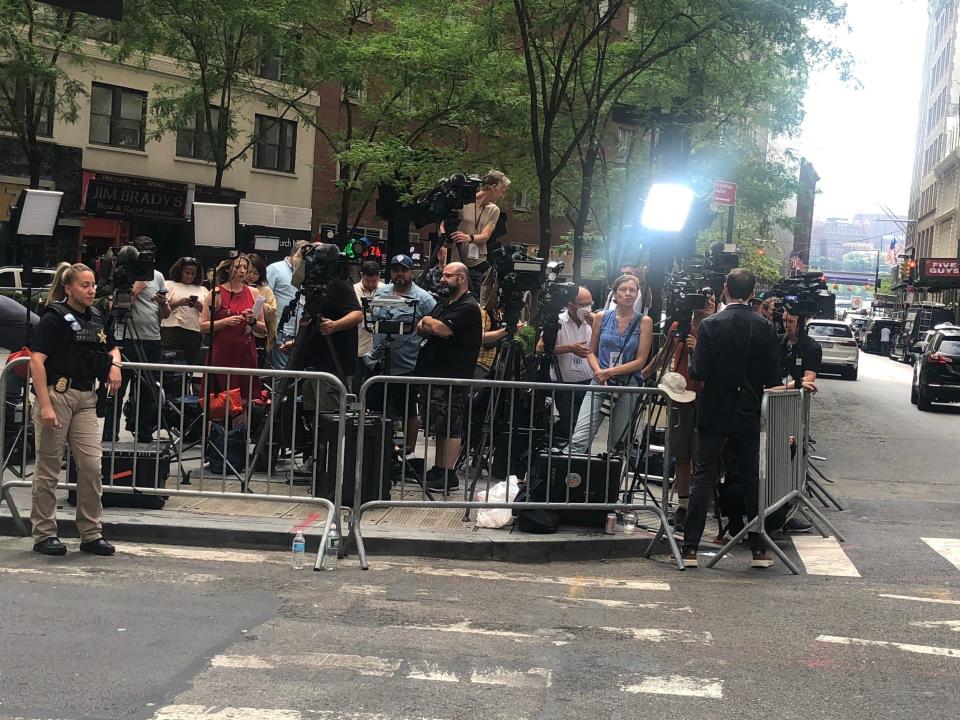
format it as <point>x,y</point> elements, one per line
<point>39,44</point>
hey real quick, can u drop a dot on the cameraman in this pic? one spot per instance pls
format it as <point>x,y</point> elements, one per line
<point>736,358</point>
<point>800,356</point>
<point>140,342</point>
<point>453,333</point>
<point>404,349</point>
<point>478,220</point>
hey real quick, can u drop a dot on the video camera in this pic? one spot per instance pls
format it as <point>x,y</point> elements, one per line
<point>804,294</point>
<point>119,269</point>
<point>450,195</point>
<point>317,266</point>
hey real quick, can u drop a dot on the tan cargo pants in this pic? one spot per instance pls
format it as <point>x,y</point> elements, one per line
<point>77,412</point>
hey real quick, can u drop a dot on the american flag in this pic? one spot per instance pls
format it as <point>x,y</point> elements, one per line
<point>891,257</point>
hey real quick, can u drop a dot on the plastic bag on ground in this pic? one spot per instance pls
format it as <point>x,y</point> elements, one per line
<point>496,518</point>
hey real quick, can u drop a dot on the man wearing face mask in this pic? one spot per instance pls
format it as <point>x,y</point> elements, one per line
<point>571,351</point>
<point>453,332</point>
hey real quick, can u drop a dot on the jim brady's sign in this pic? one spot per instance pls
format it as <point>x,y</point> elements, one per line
<point>940,271</point>
<point>108,194</point>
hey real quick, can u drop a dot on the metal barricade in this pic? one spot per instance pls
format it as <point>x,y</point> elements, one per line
<point>784,431</point>
<point>211,446</point>
<point>499,429</point>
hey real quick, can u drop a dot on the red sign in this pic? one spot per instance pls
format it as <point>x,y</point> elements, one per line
<point>725,193</point>
<point>940,272</point>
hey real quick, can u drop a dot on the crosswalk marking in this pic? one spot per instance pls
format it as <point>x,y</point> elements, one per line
<point>557,637</point>
<point>906,647</point>
<point>661,635</point>
<point>949,624</point>
<point>949,548</point>
<point>675,685</point>
<point>823,556</point>
<point>938,601</point>
<point>208,712</point>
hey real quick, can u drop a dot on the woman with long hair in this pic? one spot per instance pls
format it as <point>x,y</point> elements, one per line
<point>619,348</point>
<point>72,350</point>
<point>231,307</point>
<point>257,279</point>
<point>186,297</point>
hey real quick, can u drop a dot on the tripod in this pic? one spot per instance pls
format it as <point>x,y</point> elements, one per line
<point>307,327</point>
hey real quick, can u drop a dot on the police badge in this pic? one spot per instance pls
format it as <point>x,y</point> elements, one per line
<point>62,385</point>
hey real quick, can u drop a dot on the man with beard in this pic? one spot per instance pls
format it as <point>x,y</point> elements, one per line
<point>453,332</point>
<point>404,348</point>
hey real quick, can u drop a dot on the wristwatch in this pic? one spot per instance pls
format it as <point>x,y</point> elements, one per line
<point>471,238</point>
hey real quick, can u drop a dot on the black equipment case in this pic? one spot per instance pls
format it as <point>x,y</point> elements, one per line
<point>567,475</point>
<point>152,464</point>
<point>377,457</point>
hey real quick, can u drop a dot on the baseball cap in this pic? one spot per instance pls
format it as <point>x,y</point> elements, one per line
<point>402,260</point>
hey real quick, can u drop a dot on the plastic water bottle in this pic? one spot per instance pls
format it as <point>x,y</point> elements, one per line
<point>333,549</point>
<point>299,549</point>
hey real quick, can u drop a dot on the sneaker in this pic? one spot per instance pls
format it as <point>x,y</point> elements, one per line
<point>689,558</point>
<point>679,520</point>
<point>438,484</point>
<point>797,525</point>
<point>760,559</point>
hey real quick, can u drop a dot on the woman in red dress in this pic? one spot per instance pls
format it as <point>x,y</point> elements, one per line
<point>233,327</point>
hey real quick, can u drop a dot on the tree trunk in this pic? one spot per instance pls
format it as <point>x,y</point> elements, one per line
<point>218,180</point>
<point>343,221</point>
<point>546,229</point>
<point>586,191</point>
<point>34,160</point>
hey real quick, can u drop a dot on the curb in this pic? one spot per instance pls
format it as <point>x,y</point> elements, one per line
<point>508,548</point>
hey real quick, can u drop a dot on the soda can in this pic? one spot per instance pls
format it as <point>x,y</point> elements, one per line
<point>611,527</point>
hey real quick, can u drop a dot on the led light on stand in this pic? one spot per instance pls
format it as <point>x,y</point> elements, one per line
<point>38,216</point>
<point>667,207</point>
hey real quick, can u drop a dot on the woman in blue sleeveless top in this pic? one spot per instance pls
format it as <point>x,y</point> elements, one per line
<point>618,351</point>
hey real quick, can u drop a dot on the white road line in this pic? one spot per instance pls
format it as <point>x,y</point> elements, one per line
<point>371,666</point>
<point>205,554</point>
<point>906,647</point>
<point>823,556</point>
<point>949,548</point>
<point>203,712</point>
<point>938,601</point>
<point>625,604</point>
<point>532,678</point>
<point>467,628</point>
<point>675,685</point>
<point>583,582</point>
<point>371,590</point>
<point>662,635</point>
<point>933,624</point>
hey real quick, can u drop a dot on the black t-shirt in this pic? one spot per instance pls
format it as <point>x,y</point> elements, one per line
<point>338,301</point>
<point>797,359</point>
<point>455,356</point>
<point>53,336</point>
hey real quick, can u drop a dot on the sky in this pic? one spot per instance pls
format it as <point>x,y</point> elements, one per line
<point>860,135</point>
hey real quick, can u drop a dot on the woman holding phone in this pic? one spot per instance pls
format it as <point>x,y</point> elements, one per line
<point>186,297</point>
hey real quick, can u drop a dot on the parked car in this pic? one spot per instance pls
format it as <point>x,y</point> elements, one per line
<point>12,277</point>
<point>856,323</point>
<point>936,373</point>
<point>919,320</point>
<point>870,336</point>
<point>839,347</point>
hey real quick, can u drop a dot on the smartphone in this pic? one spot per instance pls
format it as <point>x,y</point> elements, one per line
<point>162,292</point>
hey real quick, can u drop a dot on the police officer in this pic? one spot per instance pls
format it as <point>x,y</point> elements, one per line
<point>800,356</point>
<point>72,349</point>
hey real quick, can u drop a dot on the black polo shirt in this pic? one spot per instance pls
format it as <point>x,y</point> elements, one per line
<point>454,356</point>
<point>53,337</point>
<point>795,360</point>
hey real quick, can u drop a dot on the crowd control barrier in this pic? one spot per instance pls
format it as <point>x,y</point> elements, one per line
<point>203,431</point>
<point>784,433</point>
<point>495,432</point>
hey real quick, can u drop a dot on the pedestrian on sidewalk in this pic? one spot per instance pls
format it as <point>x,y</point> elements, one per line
<point>73,348</point>
<point>885,341</point>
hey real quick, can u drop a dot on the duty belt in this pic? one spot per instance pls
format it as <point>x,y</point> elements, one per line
<point>61,384</point>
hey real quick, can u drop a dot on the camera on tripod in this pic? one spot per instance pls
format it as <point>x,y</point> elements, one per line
<point>377,312</point>
<point>317,266</point>
<point>119,269</point>
<point>450,195</point>
<point>804,294</point>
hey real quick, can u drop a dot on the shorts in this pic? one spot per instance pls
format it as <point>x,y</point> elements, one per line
<point>446,411</point>
<point>683,418</point>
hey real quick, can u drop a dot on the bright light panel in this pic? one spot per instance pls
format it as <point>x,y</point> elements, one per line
<point>215,225</point>
<point>40,211</point>
<point>667,207</point>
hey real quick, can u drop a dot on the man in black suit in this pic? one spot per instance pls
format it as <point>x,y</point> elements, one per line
<point>737,356</point>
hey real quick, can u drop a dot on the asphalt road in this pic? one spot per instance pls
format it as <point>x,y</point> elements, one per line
<point>871,631</point>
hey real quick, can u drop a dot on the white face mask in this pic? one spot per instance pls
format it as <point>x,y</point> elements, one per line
<point>582,313</point>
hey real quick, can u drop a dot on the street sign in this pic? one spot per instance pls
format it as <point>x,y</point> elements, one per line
<point>939,273</point>
<point>725,193</point>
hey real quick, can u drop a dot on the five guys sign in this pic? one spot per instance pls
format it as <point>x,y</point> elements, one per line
<point>110,9</point>
<point>940,272</point>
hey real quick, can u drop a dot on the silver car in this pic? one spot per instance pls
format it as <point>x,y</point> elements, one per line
<point>839,347</point>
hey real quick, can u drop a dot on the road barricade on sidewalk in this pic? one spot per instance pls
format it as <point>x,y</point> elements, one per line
<point>200,432</point>
<point>784,431</point>
<point>494,432</point>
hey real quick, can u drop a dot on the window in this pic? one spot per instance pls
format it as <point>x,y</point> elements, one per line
<point>118,116</point>
<point>631,19</point>
<point>44,127</point>
<point>625,136</point>
<point>949,347</point>
<point>276,144</point>
<point>8,279</point>
<point>840,331</point>
<point>521,200</point>
<point>343,173</point>
<point>271,66</point>
<point>193,141</point>
<point>356,94</point>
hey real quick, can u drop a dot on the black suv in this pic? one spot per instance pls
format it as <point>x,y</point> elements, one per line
<point>936,374</point>
<point>870,336</point>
